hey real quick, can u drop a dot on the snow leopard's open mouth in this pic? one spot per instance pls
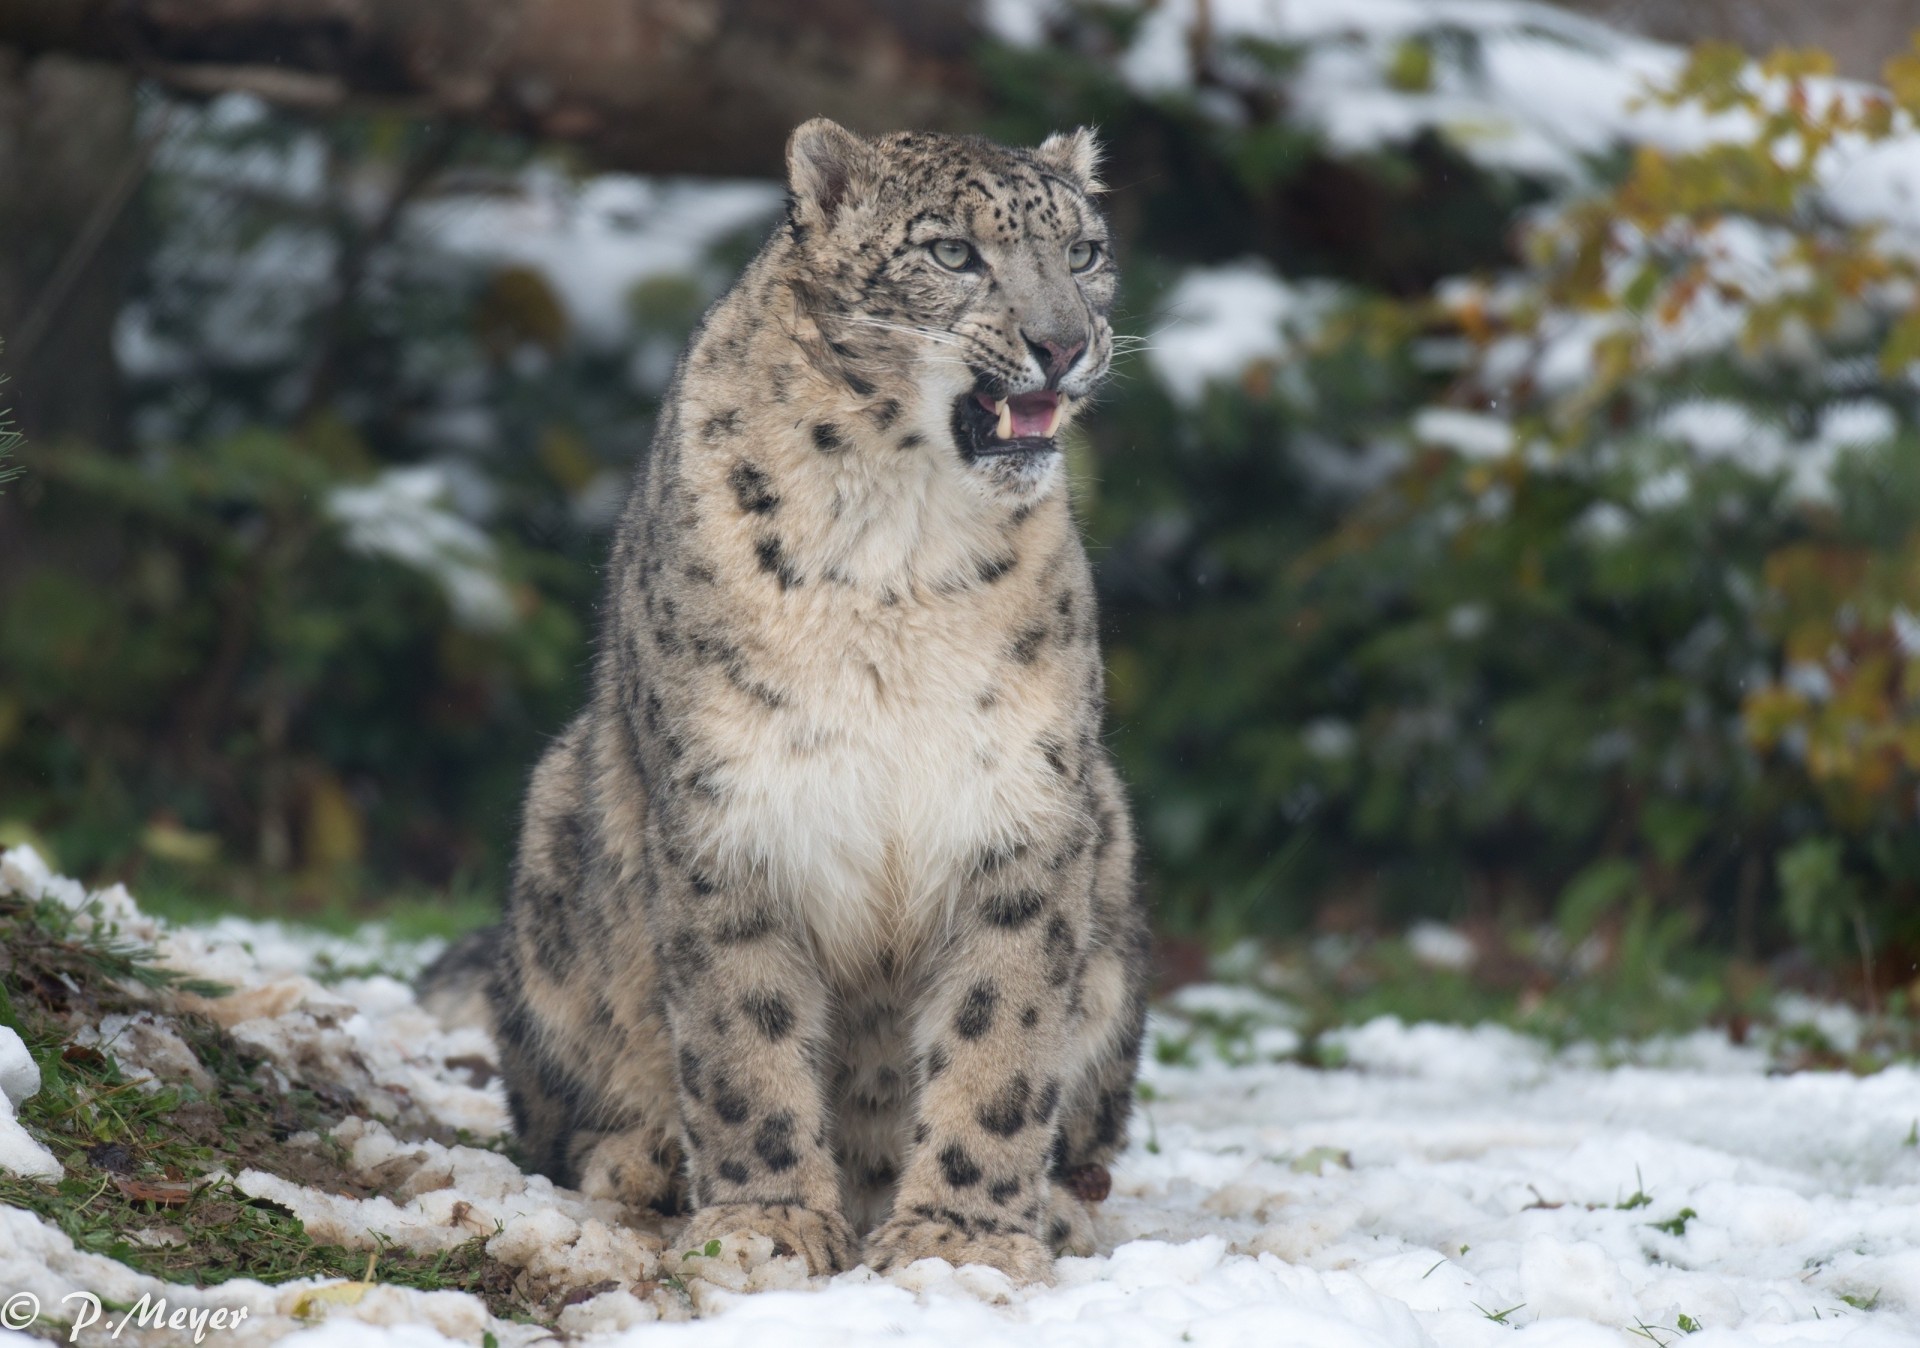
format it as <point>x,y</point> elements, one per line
<point>986,424</point>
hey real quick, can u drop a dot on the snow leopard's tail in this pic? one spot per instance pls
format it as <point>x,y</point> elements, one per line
<point>455,987</point>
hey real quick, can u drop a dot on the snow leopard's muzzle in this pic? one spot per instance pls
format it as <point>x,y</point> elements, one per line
<point>1004,417</point>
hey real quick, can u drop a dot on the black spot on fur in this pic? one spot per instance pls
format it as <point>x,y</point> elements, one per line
<point>1004,1191</point>
<point>769,1013</point>
<point>733,1172</point>
<point>1030,1017</point>
<point>1013,911</point>
<point>688,954</point>
<point>912,440</point>
<point>719,425</point>
<point>1048,1101</point>
<point>1006,1113</point>
<point>1059,950</point>
<point>992,568</point>
<point>938,1060</point>
<point>1056,755</point>
<point>828,438</point>
<point>1026,647</point>
<point>1066,856</point>
<point>960,1169</point>
<point>745,927</point>
<point>773,560</point>
<point>884,414</point>
<point>993,858</point>
<point>729,1104</point>
<point>753,489</point>
<point>690,1073</point>
<point>976,1012</point>
<point>773,1143</point>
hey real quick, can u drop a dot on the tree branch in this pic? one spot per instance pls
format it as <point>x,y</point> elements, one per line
<point>662,86</point>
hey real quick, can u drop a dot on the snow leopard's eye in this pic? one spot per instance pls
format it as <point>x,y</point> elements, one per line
<point>953,254</point>
<point>1082,255</point>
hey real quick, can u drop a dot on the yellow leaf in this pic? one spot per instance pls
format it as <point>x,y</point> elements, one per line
<point>1901,75</point>
<point>167,840</point>
<point>1903,344</point>
<point>316,1299</point>
<point>1797,63</point>
<point>334,835</point>
<point>567,459</point>
<point>1411,68</point>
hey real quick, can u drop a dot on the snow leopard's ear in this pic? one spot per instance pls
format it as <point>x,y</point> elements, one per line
<point>827,165</point>
<point>1075,155</point>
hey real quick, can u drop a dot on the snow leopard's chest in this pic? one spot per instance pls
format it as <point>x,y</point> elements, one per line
<point>904,749</point>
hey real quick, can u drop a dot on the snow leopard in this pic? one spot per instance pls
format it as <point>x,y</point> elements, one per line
<point>824,923</point>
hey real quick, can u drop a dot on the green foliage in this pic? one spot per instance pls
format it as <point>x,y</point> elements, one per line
<point>141,1154</point>
<point>1570,655</point>
<point>1676,1225</point>
<point>288,681</point>
<point>205,667</point>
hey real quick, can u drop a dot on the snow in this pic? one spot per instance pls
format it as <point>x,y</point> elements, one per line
<point>1471,435</point>
<point>1514,85</point>
<point>595,240</point>
<point>1222,319</point>
<point>1441,1177</point>
<point>1720,430</point>
<point>19,1082</point>
<point>403,514</point>
<point>1439,946</point>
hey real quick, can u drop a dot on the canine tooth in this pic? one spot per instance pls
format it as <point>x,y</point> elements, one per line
<point>1053,420</point>
<point>1005,429</point>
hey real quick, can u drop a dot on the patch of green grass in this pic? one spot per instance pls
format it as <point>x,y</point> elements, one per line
<point>140,1156</point>
<point>1639,1198</point>
<point>182,895</point>
<point>1618,987</point>
<point>219,1233</point>
<point>1676,1225</point>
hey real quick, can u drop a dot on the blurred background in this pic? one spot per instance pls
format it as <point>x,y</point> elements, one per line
<point>1509,536</point>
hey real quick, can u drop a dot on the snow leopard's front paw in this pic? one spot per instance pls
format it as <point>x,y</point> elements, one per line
<point>823,1238</point>
<point>1069,1222</point>
<point>641,1170</point>
<point>907,1238</point>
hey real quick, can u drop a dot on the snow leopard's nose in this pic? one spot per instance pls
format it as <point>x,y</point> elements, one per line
<point>1056,358</point>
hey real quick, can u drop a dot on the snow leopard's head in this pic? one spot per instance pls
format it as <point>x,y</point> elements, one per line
<point>979,271</point>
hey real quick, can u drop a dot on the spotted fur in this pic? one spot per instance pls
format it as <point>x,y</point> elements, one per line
<point>824,921</point>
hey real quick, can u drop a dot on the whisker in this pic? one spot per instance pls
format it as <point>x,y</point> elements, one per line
<point>930,334</point>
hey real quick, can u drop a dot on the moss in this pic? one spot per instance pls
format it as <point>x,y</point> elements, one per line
<point>145,1167</point>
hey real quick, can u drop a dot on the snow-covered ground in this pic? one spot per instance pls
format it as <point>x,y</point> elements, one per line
<point>1444,1187</point>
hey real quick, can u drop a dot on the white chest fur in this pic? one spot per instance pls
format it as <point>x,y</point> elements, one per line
<point>902,753</point>
<point>904,742</point>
